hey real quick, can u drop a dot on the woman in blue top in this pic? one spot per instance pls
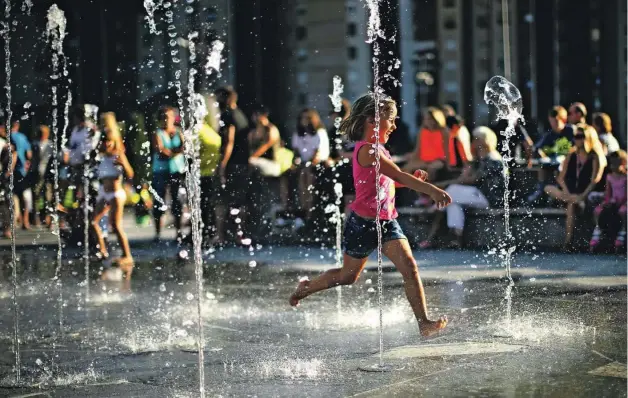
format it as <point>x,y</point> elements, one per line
<point>168,168</point>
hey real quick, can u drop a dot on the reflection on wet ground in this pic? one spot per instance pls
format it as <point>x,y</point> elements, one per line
<point>139,338</point>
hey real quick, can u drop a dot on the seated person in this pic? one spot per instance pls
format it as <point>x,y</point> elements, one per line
<point>615,200</point>
<point>432,145</point>
<point>581,171</point>
<point>602,124</point>
<point>552,148</point>
<point>479,186</point>
<point>459,138</point>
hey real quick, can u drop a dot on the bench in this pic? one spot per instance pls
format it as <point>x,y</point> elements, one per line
<point>530,228</point>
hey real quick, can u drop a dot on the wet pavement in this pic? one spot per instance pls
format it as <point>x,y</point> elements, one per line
<point>567,337</point>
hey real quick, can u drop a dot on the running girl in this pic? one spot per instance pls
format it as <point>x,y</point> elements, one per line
<point>360,236</point>
<point>111,196</point>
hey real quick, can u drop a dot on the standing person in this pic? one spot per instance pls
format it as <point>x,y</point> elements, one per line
<point>602,124</point>
<point>168,168</point>
<point>42,157</point>
<point>113,166</point>
<point>581,170</point>
<point>615,199</point>
<point>21,186</point>
<point>360,237</point>
<point>209,155</point>
<point>83,141</point>
<point>310,144</point>
<point>234,163</point>
<point>6,161</point>
<point>264,140</point>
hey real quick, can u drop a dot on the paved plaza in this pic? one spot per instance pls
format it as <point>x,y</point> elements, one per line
<point>566,338</point>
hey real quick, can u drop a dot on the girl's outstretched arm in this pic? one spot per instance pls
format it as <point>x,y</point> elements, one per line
<point>392,171</point>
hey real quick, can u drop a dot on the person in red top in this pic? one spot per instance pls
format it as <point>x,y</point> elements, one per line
<point>432,145</point>
<point>459,138</point>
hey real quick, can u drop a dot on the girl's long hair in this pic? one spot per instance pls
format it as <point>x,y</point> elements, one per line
<point>361,110</point>
<point>592,143</point>
<point>111,130</point>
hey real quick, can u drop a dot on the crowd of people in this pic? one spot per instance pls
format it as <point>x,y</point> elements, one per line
<point>241,157</point>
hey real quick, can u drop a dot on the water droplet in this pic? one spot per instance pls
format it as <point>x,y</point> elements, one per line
<point>253,264</point>
<point>189,296</point>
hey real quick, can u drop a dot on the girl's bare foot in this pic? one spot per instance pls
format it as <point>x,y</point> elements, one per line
<point>428,328</point>
<point>298,294</point>
<point>126,266</point>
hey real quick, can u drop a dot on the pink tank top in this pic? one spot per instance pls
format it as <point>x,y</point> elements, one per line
<point>365,203</point>
<point>618,188</point>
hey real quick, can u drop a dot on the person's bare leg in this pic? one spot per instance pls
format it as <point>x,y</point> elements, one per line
<point>126,261</point>
<point>438,218</point>
<point>556,193</point>
<point>348,274</point>
<point>569,223</point>
<point>399,252</point>
<point>221,213</point>
<point>303,202</point>
<point>284,191</point>
<point>309,195</point>
<point>101,209</point>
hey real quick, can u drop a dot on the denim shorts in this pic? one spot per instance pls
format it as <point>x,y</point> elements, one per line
<point>360,235</point>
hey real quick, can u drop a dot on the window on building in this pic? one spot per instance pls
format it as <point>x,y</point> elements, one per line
<point>302,78</point>
<point>481,22</point>
<point>301,11</point>
<point>302,99</point>
<point>301,55</point>
<point>351,29</point>
<point>449,3</point>
<point>483,64</point>
<point>450,24</point>
<point>301,32</point>
<point>352,52</point>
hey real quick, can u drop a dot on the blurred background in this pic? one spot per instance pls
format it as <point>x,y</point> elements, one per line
<point>284,54</point>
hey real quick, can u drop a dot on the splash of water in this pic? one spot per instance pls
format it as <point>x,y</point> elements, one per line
<point>291,368</point>
<point>336,98</point>
<point>506,100</point>
<point>375,32</point>
<point>151,6</point>
<point>55,31</point>
<point>6,33</point>
<point>198,111</point>
<point>27,6</point>
<point>214,58</point>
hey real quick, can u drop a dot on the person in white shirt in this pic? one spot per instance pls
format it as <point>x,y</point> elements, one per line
<point>603,126</point>
<point>310,144</point>
<point>82,144</point>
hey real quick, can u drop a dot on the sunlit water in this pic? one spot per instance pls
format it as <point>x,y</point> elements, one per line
<point>506,100</point>
<point>375,32</point>
<point>56,31</point>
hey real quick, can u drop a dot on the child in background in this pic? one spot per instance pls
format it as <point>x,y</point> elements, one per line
<point>360,236</point>
<point>615,199</point>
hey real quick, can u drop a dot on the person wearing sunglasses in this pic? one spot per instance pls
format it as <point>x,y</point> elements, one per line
<point>581,170</point>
